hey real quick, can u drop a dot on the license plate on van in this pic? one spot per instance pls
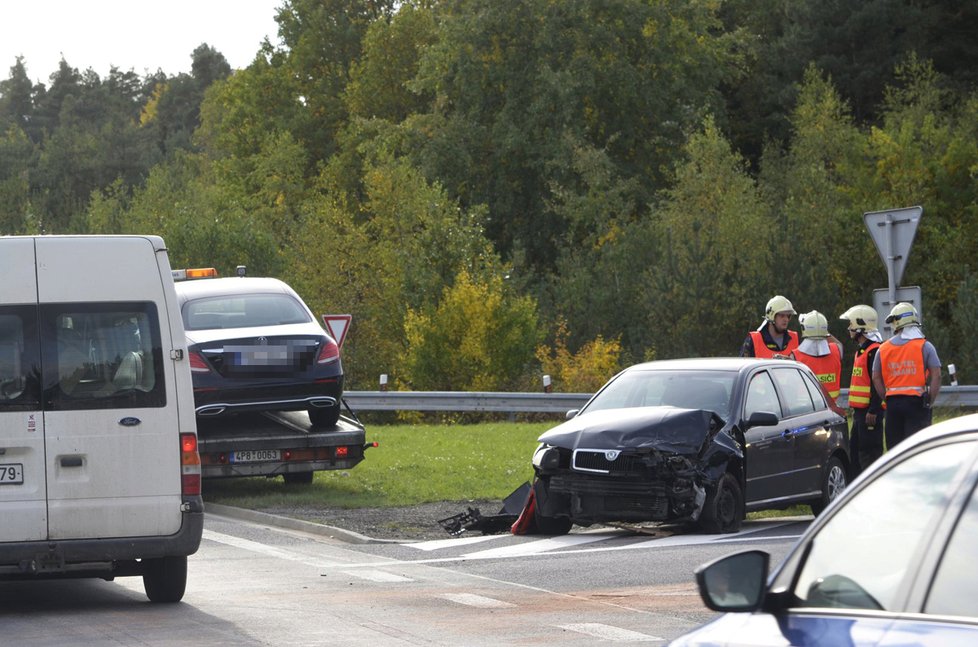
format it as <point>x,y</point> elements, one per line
<point>11,473</point>
<point>255,455</point>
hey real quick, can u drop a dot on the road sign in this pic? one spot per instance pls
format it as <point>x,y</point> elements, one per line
<point>883,305</point>
<point>893,232</point>
<point>338,325</point>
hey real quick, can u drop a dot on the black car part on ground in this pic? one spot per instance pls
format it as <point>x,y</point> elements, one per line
<point>472,519</point>
<point>633,465</point>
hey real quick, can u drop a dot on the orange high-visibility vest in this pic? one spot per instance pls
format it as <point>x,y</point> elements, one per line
<point>903,367</point>
<point>762,350</point>
<point>861,385</point>
<point>827,368</point>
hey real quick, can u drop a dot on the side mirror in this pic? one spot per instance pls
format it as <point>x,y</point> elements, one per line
<point>763,419</point>
<point>735,583</point>
<point>571,414</point>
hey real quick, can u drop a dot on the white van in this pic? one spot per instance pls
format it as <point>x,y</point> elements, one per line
<point>99,471</point>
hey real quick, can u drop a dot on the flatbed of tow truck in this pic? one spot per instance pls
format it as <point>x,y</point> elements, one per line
<point>277,443</point>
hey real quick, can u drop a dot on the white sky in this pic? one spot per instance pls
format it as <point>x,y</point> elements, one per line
<point>131,34</point>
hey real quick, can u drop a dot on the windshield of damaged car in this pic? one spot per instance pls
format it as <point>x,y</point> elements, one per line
<point>709,390</point>
<point>243,311</point>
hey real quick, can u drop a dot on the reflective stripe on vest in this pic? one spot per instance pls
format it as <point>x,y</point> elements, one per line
<point>827,368</point>
<point>861,385</point>
<point>763,351</point>
<point>903,367</point>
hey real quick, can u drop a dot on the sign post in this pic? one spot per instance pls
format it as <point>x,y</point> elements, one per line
<point>893,232</point>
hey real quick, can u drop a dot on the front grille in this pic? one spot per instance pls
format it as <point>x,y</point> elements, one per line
<point>597,460</point>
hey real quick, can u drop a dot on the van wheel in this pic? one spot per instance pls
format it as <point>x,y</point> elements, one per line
<point>723,510</point>
<point>324,416</point>
<point>298,478</point>
<point>834,481</point>
<point>165,578</point>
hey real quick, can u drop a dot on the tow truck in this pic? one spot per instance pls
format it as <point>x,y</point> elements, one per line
<point>274,443</point>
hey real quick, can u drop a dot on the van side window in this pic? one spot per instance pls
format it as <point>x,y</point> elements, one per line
<point>102,355</point>
<point>19,386</point>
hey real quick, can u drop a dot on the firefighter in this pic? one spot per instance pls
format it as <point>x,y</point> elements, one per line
<point>907,374</point>
<point>772,338</point>
<point>866,435</point>
<point>820,351</point>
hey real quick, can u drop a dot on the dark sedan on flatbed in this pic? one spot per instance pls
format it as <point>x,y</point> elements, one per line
<point>699,441</point>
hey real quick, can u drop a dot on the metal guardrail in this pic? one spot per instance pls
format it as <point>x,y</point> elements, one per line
<point>502,402</point>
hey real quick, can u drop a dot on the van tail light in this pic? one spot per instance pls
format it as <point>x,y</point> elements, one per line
<point>189,465</point>
<point>197,363</point>
<point>328,352</point>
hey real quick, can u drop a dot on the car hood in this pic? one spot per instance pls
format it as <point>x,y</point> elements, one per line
<point>665,429</point>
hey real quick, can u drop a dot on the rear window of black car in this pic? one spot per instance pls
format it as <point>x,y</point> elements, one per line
<point>243,311</point>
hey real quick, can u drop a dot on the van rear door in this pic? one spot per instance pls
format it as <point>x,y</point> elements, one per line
<point>110,407</point>
<point>22,476</point>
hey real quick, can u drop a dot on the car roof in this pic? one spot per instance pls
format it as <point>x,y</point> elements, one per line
<point>710,363</point>
<point>203,288</point>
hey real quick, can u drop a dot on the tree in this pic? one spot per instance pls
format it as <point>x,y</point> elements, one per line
<point>478,338</point>
<point>714,268</point>
<point>518,85</point>
<point>396,250</point>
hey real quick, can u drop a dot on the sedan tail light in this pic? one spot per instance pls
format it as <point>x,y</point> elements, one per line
<point>328,352</point>
<point>197,363</point>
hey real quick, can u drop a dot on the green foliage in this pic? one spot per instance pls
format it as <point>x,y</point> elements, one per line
<point>413,464</point>
<point>585,371</point>
<point>478,338</point>
<point>715,253</point>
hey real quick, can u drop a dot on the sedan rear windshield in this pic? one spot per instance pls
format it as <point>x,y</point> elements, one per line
<point>709,390</point>
<point>243,311</point>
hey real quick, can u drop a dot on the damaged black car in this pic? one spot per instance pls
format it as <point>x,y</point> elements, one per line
<point>695,441</point>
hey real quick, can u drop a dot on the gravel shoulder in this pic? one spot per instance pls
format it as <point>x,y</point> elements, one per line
<point>407,523</point>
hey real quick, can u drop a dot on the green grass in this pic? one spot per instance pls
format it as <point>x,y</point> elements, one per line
<point>413,464</point>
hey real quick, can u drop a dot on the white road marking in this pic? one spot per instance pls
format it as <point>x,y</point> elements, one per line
<point>374,575</point>
<point>438,544</point>
<point>540,546</point>
<point>607,632</point>
<point>473,600</point>
<point>268,551</point>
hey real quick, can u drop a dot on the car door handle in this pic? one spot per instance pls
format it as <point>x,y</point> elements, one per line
<point>71,461</point>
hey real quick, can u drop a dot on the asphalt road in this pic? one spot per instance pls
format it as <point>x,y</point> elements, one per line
<point>257,583</point>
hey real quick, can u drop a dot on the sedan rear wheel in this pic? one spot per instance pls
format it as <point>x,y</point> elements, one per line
<point>724,508</point>
<point>324,416</point>
<point>834,481</point>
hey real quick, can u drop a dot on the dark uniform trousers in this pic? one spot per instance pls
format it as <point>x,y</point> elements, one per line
<point>905,415</point>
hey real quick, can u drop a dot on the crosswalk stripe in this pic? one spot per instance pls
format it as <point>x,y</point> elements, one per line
<point>438,544</point>
<point>608,632</point>
<point>373,575</point>
<point>473,600</point>
<point>540,546</point>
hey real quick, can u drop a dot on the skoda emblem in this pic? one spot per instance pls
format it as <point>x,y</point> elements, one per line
<point>611,455</point>
<point>263,341</point>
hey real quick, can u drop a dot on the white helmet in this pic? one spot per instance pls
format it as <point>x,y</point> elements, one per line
<point>778,304</point>
<point>862,318</point>
<point>903,314</point>
<point>814,325</point>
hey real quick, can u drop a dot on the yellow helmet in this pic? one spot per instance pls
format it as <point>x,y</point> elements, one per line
<point>903,314</point>
<point>778,304</point>
<point>814,325</point>
<point>862,318</point>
